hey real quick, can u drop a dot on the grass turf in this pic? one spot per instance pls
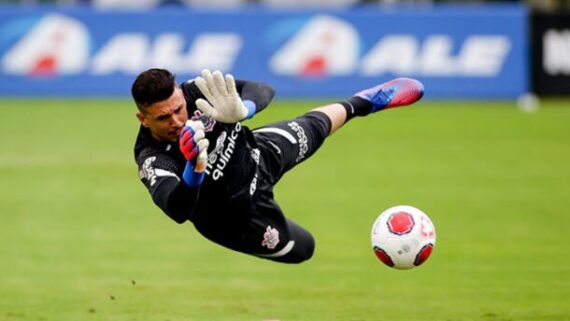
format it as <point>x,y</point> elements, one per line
<point>81,240</point>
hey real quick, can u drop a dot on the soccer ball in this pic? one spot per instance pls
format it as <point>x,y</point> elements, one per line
<point>403,237</point>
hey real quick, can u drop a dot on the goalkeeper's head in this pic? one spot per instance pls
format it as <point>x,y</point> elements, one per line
<point>161,104</point>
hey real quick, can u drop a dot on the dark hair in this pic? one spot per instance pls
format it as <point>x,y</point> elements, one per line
<point>152,86</point>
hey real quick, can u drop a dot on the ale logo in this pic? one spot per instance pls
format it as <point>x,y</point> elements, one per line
<point>54,45</point>
<point>324,45</point>
<point>58,45</point>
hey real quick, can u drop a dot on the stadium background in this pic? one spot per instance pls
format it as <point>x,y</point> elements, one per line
<point>485,155</point>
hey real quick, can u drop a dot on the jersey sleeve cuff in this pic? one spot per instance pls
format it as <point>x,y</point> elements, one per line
<point>251,108</point>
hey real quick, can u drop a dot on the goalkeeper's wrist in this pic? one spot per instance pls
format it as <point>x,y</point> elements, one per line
<point>190,177</point>
<point>251,108</point>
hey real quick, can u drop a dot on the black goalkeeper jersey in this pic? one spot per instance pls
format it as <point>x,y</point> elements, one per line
<point>231,173</point>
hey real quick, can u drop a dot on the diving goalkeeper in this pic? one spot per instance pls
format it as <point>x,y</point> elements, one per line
<point>200,164</point>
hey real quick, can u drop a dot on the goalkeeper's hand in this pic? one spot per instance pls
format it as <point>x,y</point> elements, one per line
<point>223,101</point>
<point>194,146</point>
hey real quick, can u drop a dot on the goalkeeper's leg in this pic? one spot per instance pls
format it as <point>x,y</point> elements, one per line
<point>394,93</point>
<point>286,144</point>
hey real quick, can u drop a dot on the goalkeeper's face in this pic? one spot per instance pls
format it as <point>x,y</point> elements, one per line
<point>166,118</point>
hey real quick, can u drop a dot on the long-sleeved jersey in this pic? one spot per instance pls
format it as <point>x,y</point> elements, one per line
<point>231,173</point>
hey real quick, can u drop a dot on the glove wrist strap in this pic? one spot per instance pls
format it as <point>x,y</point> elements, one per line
<point>251,108</point>
<point>190,177</point>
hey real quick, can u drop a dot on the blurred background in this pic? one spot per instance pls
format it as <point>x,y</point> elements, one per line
<point>485,155</point>
<point>542,4</point>
<point>306,49</point>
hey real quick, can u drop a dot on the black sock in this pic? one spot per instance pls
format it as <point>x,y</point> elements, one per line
<point>356,106</point>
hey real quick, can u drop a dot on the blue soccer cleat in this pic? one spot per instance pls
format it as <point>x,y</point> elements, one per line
<point>394,93</point>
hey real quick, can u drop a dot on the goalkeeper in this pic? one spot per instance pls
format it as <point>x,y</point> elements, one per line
<point>200,164</point>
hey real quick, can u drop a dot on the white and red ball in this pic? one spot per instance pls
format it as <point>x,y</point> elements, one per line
<point>403,237</point>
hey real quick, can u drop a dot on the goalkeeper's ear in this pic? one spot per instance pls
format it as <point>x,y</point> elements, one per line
<point>142,119</point>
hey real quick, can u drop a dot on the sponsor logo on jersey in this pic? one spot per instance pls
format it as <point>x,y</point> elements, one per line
<point>147,171</point>
<point>255,153</point>
<point>302,140</point>
<point>221,155</point>
<point>220,143</point>
<point>253,185</point>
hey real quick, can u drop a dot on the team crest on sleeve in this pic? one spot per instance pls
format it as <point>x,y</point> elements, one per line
<point>208,122</point>
<point>270,238</point>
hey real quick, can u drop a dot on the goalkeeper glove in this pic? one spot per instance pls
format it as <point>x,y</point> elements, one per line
<point>223,101</point>
<point>194,146</point>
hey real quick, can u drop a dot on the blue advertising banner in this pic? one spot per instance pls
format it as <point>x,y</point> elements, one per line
<point>457,52</point>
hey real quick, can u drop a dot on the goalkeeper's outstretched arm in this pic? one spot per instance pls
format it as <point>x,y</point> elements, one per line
<point>255,95</point>
<point>176,199</point>
<point>224,102</point>
<point>169,191</point>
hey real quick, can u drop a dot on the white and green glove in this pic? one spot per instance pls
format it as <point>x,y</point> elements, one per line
<point>223,101</point>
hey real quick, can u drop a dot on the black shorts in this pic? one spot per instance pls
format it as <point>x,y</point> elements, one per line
<point>267,233</point>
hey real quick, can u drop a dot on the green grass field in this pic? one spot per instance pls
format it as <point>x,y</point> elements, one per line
<point>81,240</point>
